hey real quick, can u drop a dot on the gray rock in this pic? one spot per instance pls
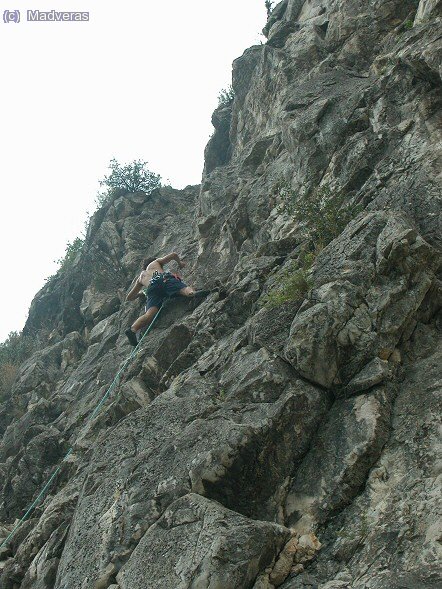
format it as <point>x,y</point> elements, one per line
<point>428,9</point>
<point>218,150</point>
<point>335,469</point>
<point>97,306</point>
<point>226,401</point>
<point>270,327</point>
<point>346,326</point>
<point>102,330</point>
<point>218,548</point>
<point>374,373</point>
<point>189,439</point>
<point>388,536</point>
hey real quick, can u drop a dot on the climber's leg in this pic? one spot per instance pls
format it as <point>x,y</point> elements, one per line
<point>190,292</point>
<point>187,291</point>
<point>141,323</point>
<point>145,320</point>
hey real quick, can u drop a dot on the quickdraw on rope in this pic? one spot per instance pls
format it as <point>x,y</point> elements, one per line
<point>114,383</point>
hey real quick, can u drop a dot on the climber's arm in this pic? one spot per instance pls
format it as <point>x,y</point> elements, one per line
<point>134,291</point>
<point>173,256</point>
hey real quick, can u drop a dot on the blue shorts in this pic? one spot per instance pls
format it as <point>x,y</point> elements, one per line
<point>162,286</point>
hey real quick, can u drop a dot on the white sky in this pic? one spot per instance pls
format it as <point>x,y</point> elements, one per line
<point>140,80</point>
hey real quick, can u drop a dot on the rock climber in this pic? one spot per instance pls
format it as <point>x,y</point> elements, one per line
<point>158,284</point>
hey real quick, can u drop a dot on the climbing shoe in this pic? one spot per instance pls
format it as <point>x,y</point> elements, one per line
<point>131,336</point>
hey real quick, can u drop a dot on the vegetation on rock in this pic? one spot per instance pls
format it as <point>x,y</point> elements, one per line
<point>72,250</point>
<point>13,351</point>
<point>293,283</point>
<point>323,212</point>
<point>123,179</point>
<point>126,178</point>
<point>226,96</point>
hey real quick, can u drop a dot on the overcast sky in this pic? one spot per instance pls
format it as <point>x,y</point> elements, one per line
<point>139,80</point>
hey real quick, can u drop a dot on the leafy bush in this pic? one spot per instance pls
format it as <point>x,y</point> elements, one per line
<point>13,351</point>
<point>16,348</point>
<point>323,212</point>
<point>133,177</point>
<point>269,7</point>
<point>226,96</point>
<point>71,252</point>
<point>8,374</point>
<point>291,288</point>
<point>293,284</point>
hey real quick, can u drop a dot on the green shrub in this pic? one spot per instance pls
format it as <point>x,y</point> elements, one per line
<point>221,395</point>
<point>293,284</point>
<point>323,212</point>
<point>71,252</point>
<point>133,177</point>
<point>8,374</point>
<point>13,351</point>
<point>226,96</point>
<point>406,25</point>
<point>269,7</point>
<point>291,288</point>
<point>16,348</point>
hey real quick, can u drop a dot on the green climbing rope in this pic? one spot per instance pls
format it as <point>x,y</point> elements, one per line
<point>42,493</point>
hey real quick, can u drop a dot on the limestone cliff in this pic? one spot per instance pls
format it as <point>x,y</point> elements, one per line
<point>248,446</point>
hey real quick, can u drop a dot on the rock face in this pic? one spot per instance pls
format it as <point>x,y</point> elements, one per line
<point>249,446</point>
<point>217,548</point>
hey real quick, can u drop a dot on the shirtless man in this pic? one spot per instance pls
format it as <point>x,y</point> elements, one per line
<point>158,284</point>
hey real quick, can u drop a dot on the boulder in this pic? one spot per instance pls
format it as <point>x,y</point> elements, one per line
<point>206,545</point>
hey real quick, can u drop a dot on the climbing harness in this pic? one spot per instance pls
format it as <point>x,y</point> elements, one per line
<point>159,279</point>
<point>93,414</point>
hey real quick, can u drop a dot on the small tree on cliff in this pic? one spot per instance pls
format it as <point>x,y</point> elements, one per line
<point>132,177</point>
<point>72,250</point>
<point>269,7</point>
<point>226,96</point>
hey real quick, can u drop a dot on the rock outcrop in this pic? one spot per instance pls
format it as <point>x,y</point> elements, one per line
<point>250,446</point>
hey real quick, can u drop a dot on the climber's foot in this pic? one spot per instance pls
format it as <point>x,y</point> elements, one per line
<point>131,336</point>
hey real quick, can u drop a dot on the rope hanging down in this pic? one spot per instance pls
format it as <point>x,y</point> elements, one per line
<point>93,414</point>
